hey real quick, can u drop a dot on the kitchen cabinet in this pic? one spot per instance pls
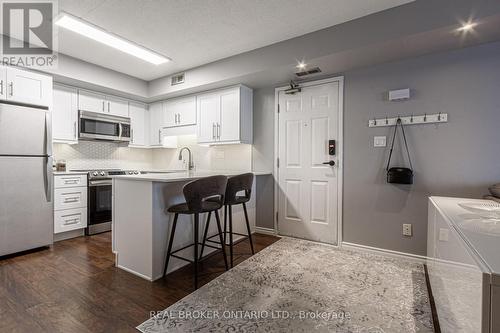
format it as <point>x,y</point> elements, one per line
<point>156,122</point>
<point>65,114</point>
<point>139,120</point>
<point>96,102</point>
<point>180,112</point>
<point>225,116</point>
<point>91,101</point>
<point>23,86</point>
<point>117,106</point>
<point>70,202</point>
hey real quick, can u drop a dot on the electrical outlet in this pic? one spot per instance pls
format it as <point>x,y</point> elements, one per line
<point>407,230</point>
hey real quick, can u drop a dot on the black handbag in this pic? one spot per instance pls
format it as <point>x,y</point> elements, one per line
<point>399,175</point>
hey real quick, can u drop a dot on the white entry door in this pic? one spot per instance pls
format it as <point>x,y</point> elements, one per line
<point>309,189</point>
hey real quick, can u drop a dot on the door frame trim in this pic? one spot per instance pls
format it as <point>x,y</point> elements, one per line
<point>340,151</point>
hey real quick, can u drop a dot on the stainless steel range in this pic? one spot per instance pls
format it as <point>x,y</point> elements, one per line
<point>99,198</point>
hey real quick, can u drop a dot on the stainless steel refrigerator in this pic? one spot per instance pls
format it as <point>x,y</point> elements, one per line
<point>26,207</point>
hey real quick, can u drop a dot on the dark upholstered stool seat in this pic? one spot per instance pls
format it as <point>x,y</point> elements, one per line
<point>206,206</point>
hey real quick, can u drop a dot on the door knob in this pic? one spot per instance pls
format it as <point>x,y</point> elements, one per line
<point>331,163</point>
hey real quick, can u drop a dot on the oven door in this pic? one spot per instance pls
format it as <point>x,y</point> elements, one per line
<point>99,201</point>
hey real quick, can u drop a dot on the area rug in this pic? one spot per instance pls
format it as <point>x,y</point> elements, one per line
<point>301,286</point>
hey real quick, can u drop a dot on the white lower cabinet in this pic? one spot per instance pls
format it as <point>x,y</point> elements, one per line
<point>70,219</point>
<point>70,202</point>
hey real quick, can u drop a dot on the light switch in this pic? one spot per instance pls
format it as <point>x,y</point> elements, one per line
<point>379,141</point>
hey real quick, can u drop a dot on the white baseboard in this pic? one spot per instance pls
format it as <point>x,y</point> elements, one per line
<point>266,231</point>
<point>413,257</point>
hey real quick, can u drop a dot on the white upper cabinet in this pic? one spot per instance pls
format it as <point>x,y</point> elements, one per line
<point>91,101</point>
<point>96,102</point>
<point>156,123</point>
<point>117,106</point>
<point>225,116</point>
<point>22,86</point>
<point>180,112</point>
<point>65,114</point>
<point>139,119</point>
<point>209,116</point>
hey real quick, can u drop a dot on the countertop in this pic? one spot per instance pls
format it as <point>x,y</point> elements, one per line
<point>169,177</point>
<point>482,234</point>
<point>62,173</point>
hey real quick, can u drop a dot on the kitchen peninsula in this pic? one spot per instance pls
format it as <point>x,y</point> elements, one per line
<point>141,225</point>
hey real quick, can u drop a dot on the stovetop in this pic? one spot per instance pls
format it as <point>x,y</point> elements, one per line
<point>106,173</point>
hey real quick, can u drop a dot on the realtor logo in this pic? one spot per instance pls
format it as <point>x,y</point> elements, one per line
<point>28,33</point>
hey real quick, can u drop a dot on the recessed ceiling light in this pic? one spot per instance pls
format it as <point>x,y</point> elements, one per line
<point>301,65</point>
<point>467,26</point>
<point>93,32</point>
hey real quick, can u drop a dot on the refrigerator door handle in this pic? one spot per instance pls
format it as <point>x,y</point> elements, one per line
<point>48,134</point>
<point>48,178</point>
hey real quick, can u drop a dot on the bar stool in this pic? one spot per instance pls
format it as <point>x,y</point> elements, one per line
<point>235,185</point>
<point>196,194</point>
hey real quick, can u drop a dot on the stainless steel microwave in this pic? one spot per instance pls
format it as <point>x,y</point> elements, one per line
<point>105,127</point>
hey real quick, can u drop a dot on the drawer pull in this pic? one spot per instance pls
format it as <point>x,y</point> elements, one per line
<point>69,200</point>
<point>71,181</point>
<point>72,221</point>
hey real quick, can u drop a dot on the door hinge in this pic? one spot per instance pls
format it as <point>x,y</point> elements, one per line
<point>278,162</point>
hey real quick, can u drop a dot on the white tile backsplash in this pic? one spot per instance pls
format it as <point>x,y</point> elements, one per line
<point>103,155</point>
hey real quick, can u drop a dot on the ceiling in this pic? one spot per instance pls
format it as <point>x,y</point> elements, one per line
<point>193,33</point>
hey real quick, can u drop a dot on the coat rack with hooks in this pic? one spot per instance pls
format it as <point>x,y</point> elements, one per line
<point>410,120</point>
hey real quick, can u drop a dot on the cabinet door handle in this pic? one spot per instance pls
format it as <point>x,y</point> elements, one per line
<point>132,135</point>
<point>1,87</point>
<point>74,129</point>
<point>213,131</point>
<point>218,131</point>
<point>103,107</point>
<point>108,107</point>
<point>11,85</point>
<point>175,118</point>
<point>179,117</point>
<point>159,136</point>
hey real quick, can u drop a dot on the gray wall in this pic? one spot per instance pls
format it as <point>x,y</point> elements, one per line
<point>459,158</point>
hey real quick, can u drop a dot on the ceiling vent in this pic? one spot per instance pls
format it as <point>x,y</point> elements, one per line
<point>311,71</point>
<point>177,79</point>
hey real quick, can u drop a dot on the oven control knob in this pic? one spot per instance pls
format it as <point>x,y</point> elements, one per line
<point>95,173</point>
<point>102,173</point>
<point>130,172</point>
<point>136,172</point>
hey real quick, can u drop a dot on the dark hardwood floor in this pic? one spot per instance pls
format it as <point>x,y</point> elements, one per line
<point>74,287</point>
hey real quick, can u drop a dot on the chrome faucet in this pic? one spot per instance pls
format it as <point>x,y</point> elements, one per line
<point>190,160</point>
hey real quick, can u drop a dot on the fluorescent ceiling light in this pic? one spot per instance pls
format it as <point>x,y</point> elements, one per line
<point>93,32</point>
